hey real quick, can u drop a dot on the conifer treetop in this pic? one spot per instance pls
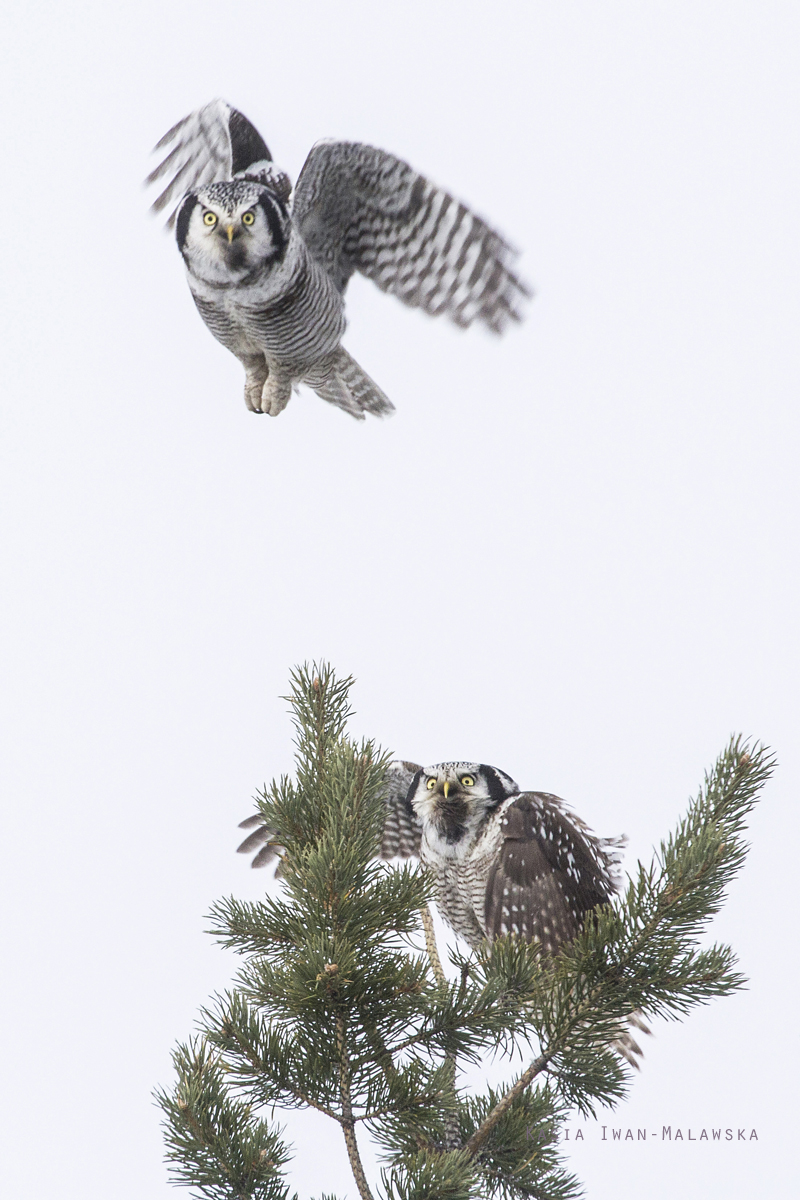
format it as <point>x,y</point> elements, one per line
<point>338,1007</point>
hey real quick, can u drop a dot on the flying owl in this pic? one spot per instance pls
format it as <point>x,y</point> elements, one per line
<point>268,267</point>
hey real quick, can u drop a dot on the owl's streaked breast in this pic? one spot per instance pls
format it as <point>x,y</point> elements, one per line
<point>461,873</point>
<point>289,310</point>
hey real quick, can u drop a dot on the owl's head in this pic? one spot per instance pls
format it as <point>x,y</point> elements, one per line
<point>233,227</point>
<point>452,798</point>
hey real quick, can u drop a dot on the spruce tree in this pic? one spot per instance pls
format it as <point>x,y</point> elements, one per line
<point>338,1008</point>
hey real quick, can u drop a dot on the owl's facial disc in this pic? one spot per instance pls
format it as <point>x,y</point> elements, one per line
<point>453,797</point>
<point>227,236</point>
<point>228,230</point>
<point>449,799</point>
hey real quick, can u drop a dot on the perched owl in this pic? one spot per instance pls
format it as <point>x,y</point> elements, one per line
<point>503,861</point>
<point>268,268</point>
<point>511,862</point>
<point>507,861</point>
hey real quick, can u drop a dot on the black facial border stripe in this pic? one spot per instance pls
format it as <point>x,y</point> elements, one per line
<point>498,792</point>
<point>182,222</point>
<point>412,789</point>
<point>271,209</point>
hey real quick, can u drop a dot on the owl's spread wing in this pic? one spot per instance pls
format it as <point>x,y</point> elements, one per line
<point>214,143</point>
<point>401,830</point>
<point>549,873</point>
<point>361,209</point>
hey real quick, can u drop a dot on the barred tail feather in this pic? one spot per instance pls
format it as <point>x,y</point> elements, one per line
<point>349,387</point>
<point>626,1046</point>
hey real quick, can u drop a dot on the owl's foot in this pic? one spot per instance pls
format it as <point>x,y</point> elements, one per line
<point>254,385</point>
<point>276,394</point>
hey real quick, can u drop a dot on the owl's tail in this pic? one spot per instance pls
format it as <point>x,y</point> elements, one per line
<point>349,387</point>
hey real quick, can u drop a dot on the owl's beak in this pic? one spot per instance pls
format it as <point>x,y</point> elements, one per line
<point>230,232</point>
<point>446,787</point>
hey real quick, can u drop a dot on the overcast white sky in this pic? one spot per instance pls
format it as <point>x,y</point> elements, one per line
<point>571,553</point>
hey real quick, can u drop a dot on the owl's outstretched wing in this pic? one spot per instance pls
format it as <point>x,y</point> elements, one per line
<point>401,829</point>
<point>361,209</point>
<point>549,873</point>
<point>214,143</point>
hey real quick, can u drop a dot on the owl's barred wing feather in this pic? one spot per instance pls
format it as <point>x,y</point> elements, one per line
<point>213,144</point>
<point>263,836</point>
<point>361,209</point>
<point>549,873</point>
<point>401,830</point>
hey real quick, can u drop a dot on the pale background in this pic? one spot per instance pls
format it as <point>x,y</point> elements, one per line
<point>571,552</point>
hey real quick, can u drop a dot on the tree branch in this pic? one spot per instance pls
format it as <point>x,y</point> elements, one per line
<point>663,904</point>
<point>313,1104</point>
<point>482,1132</point>
<point>380,1050</point>
<point>430,942</point>
<point>347,1121</point>
<point>254,1059</point>
<point>452,1130</point>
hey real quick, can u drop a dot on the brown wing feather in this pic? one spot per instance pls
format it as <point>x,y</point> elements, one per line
<point>549,873</point>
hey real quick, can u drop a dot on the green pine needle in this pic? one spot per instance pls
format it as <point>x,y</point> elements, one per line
<point>334,1008</point>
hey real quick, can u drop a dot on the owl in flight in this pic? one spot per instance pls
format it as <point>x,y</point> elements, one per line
<point>268,266</point>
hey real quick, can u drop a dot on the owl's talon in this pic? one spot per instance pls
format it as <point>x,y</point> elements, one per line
<point>255,380</point>
<point>275,395</point>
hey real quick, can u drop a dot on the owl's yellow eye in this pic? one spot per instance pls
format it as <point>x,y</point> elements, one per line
<point>467,781</point>
<point>248,218</point>
<point>210,219</point>
<point>431,784</point>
